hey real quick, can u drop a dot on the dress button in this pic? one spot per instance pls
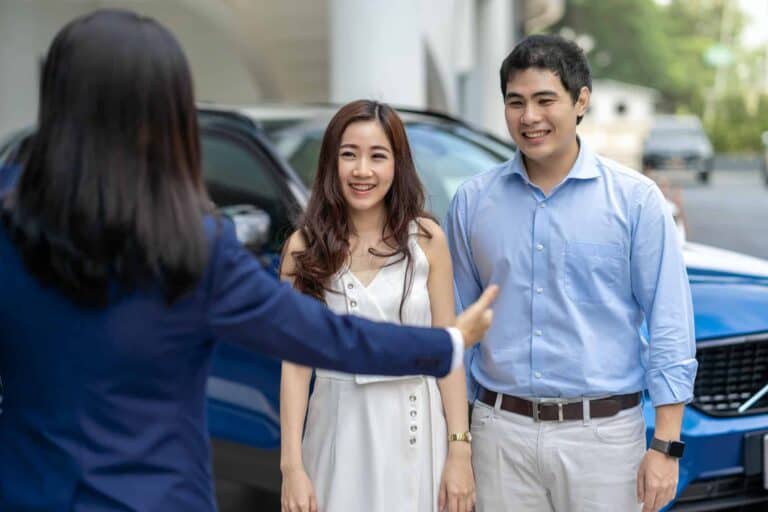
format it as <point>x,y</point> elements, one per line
<point>414,428</point>
<point>412,398</point>
<point>537,332</point>
<point>539,290</point>
<point>537,375</point>
<point>353,303</point>
<point>539,247</point>
<point>350,286</point>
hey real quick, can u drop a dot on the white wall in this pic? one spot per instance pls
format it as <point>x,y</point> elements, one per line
<point>614,132</point>
<point>203,29</point>
<point>439,54</point>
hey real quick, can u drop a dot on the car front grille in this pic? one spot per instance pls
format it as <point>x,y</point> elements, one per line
<point>731,491</point>
<point>730,372</point>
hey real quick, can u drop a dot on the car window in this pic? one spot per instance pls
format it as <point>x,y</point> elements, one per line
<point>444,158</point>
<point>236,174</point>
<point>304,157</point>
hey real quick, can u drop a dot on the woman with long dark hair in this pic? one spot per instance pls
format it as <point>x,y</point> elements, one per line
<point>117,279</point>
<point>367,247</point>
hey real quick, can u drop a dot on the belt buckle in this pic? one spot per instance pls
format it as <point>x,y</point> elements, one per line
<point>548,401</point>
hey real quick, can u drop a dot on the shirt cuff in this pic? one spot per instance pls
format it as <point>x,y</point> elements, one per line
<point>673,384</point>
<point>458,347</point>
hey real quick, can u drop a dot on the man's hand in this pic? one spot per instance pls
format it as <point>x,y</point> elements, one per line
<point>656,480</point>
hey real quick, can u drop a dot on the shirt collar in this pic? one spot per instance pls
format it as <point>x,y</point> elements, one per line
<point>584,168</point>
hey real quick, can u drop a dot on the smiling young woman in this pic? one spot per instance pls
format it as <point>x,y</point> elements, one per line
<point>367,247</point>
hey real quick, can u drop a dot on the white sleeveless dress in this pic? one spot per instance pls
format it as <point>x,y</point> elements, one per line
<point>375,443</point>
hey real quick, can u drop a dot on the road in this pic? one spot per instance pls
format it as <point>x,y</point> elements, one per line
<point>730,212</point>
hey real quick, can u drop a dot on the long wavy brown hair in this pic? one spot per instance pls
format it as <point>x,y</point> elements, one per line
<point>325,225</point>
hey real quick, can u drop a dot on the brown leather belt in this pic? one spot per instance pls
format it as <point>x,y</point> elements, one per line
<point>562,410</point>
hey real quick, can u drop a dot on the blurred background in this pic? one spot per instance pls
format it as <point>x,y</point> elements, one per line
<point>703,61</point>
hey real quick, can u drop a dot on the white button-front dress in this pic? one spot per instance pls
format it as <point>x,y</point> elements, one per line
<point>375,443</point>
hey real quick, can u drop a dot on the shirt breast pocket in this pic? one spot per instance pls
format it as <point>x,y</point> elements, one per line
<point>593,271</point>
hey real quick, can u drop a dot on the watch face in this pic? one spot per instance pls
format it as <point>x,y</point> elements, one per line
<point>676,449</point>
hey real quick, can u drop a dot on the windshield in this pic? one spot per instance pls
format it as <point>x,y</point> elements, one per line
<point>445,156</point>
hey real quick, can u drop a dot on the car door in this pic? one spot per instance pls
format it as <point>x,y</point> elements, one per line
<point>240,169</point>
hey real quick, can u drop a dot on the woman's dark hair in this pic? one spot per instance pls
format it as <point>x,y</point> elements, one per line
<point>111,191</point>
<point>326,227</point>
<point>562,57</point>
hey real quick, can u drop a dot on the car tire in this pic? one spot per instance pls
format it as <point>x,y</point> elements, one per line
<point>703,177</point>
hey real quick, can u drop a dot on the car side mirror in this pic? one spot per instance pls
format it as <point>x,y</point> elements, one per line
<point>251,224</point>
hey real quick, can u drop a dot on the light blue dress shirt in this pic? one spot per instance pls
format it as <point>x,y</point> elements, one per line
<point>580,270</point>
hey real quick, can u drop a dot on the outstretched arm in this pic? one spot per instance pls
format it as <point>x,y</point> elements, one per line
<point>249,307</point>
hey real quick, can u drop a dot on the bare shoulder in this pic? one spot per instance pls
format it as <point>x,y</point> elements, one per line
<point>295,243</point>
<point>435,244</point>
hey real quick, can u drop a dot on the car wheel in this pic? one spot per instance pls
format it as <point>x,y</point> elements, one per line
<point>704,177</point>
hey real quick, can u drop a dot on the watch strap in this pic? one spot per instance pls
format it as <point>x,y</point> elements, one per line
<point>669,448</point>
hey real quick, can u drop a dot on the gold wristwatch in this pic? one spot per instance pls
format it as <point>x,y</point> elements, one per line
<point>461,436</point>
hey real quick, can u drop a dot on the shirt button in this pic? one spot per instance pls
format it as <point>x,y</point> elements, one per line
<point>414,428</point>
<point>413,413</point>
<point>353,303</point>
<point>539,290</point>
<point>350,286</point>
<point>412,398</point>
<point>537,332</point>
<point>412,441</point>
<point>542,205</point>
<point>539,247</point>
<point>537,375</point>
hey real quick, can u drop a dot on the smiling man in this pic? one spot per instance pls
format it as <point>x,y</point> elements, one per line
<point>585,252</point>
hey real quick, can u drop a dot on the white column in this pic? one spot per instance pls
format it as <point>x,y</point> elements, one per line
<point>377,51</point>
<point>495,36</point>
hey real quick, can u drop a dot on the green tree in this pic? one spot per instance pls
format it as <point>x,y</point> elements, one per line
<point>629,41</point>
<point>664,47</point>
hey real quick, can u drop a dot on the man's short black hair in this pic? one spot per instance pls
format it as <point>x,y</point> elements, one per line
<point>562,57</point>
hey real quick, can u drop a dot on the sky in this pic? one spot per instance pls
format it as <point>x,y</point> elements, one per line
<point>756,33</point>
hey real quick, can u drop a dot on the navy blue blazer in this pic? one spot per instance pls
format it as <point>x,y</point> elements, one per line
<point>104,409</point>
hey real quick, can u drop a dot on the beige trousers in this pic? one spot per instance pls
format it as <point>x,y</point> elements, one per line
<point>574,466</point>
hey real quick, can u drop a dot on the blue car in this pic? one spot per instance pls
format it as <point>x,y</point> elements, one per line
<point>260,162</point>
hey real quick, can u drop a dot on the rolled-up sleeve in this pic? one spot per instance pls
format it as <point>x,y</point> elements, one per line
<point>660,286</point>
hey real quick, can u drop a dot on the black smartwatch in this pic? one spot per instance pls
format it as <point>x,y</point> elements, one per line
<point>670,448</point>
